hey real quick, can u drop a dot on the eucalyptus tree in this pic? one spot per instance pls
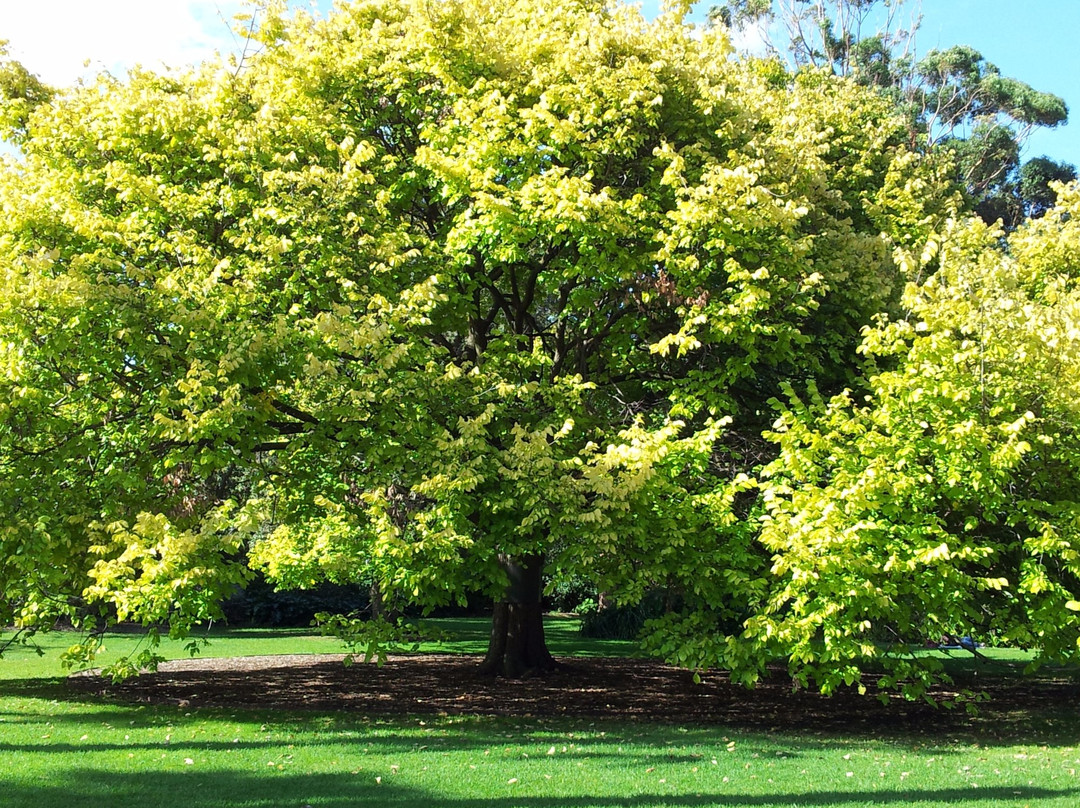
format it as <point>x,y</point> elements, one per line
<point>954,99</point>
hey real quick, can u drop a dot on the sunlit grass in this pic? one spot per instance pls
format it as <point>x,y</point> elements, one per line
<point>454,636</point>
<point>62,748</point>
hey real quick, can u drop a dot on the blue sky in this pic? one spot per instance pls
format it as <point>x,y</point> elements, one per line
<point>1032,40</point>
<point>1037,41</point>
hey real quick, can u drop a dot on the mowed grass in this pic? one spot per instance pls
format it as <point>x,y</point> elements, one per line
<point>59,748</point>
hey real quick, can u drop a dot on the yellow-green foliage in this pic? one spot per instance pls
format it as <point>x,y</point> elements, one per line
<point>946,500</point>
<point>420,285</point>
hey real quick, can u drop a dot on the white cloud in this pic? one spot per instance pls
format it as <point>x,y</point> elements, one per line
<point>56,38</point>
<point>753,38</point>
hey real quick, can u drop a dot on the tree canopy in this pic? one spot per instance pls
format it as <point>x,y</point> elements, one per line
<point>447,295</point>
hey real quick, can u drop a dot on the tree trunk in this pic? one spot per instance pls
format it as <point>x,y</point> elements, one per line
<point>376,600</point>
<point>382,608</point>
<point>517,647</point>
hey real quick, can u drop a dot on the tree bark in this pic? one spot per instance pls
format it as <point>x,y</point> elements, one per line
<point>517,646</point>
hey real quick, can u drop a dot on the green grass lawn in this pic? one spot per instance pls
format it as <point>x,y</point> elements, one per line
<point>60,748</point>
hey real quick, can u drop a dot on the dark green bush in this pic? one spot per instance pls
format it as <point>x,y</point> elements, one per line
<point>569,595</point>
<point>621,622</point>
<point>259,604</point>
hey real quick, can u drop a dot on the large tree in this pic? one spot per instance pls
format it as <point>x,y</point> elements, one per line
<point>469,292</point>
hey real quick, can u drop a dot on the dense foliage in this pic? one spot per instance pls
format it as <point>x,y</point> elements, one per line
<point>437,297</point>
<point>945,501</point>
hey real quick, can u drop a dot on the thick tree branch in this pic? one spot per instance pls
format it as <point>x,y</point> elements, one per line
<point>293,412</point>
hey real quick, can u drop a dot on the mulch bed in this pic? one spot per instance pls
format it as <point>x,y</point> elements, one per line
<point>626,689</point>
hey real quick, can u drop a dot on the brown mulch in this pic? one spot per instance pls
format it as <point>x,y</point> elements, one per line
<point>585,688</point>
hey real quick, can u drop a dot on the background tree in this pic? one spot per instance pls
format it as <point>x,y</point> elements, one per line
<point>470,293</point>
<point>870,39</point>
<point>1039,178</point>
<point>954,99</point>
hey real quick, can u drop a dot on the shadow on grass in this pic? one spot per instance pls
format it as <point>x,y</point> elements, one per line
<point>612,692</point>
<point>383,745</point>
<point>40,687</point>
<point>84,788</point>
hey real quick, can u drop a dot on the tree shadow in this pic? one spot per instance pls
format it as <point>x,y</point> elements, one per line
<point>596,689</point>
<point>479,740</point>
<point>82,788</point>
